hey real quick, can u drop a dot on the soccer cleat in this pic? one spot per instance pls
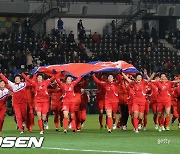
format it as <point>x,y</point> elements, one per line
<point>114,126</point>
<point>109,130</point>
<point>124,127</point>
<point>160,129</point>
<point>144,128</point>
<point>70,126</point>
<point>179,125</point>
<point>167,128</point>
<point>136,131</point>
<point>163,129</point>
<point>21,132</point>
<point>156,127</point>
<point>41,132</point>
<point>46,125</point>
<point>101,127</point>
<point>57,130</point>
<point>82,125</point>
<point>78,130</point>
<point>23,124</point>
<point>139,126</point>
<point>65,131</point>
<point>172,123</point>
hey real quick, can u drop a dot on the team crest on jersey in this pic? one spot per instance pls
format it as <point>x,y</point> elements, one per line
<point>163,87</point>
<point>70,89</point>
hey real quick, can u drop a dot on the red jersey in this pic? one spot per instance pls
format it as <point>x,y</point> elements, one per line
<point>84,99</point>
<point>30,96</point>
<point>4,93</point>
<point>154,91</point>
<point>101,91</point>
<point>139,89</point>
<point>68,90</point>
<point>41,91</point>
<point>123,92</point>
<point>164,90</point>
<point>111,89</point>
<point>77,88</point>
<point>130,94</point>
<point>177,91</point>
<point>56,95</point>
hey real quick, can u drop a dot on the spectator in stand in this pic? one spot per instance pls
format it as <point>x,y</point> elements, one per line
<point>96,37</point>
<point>80,46</point>
<point>44,46</point>
<point>27,24</point>
<point>113,26</point>
<point>16,27</point>
<point>81,30</point>
<point>80,26</point>
<point>71,37</point>
<point>29,60</point>
<point>60,24</point>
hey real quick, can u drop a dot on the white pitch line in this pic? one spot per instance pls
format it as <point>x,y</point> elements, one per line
<point>85,150</point>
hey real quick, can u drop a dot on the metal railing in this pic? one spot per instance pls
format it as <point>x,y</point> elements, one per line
<point>129,13</point>
<point>40,11</point>
<point>46,8</point>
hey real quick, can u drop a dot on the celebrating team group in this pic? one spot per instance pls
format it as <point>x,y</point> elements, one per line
<point>116,92</point>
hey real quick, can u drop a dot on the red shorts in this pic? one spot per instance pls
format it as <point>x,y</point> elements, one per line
<point>42,107</point>
<point>138,107</point>
<point>111,105</point>
<point>163,105</point>
<point>69,106</point>
<point>146,108</point>
<point>56,106</point>
<point>101,104</point>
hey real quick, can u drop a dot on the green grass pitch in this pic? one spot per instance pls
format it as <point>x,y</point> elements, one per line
<point>95,140</point>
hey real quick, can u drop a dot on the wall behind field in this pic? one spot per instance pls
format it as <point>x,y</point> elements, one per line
<point>95,25</point>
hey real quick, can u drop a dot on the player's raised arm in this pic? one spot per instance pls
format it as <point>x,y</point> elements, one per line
<point>97,80</point>
<point>126,77</point>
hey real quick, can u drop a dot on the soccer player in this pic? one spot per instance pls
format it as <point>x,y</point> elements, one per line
<point>164,99</point>
<point>4,93</point>
<point>84,100</point>
<point>139,99</point>
<point>80,110</point>
<point>174,106</point>
<point>30,106</point>
<point>111,97</point>
<point>177,91</point>
<point>68,99</point>
<point>56,103</point>
<point>19,100</point>
<point>100,98</point>
<point>41,97</point>
<point>123,101</point>
<point>153,100</point>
